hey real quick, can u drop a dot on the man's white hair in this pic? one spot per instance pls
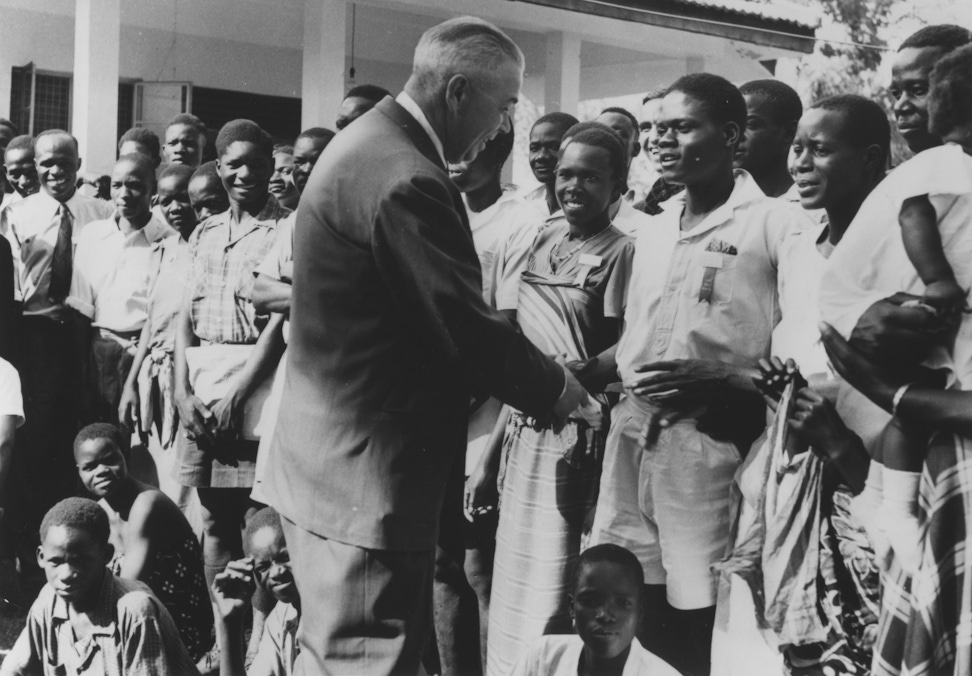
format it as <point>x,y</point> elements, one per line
<point>464,45</point>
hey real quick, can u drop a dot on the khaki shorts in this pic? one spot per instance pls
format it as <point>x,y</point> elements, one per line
<point>668,503</point>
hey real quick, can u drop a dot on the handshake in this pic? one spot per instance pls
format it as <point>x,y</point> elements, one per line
<point>576,403</point>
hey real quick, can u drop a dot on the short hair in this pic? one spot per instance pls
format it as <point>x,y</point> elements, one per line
<point>98,431</point>
<point>246,131</point>
<point>142,163</point>
<point>865,121</point>
<point>720,98</point>
<point>318,134</point>
<point>622,111</point>
<point>946,36</point>
<point>144,137</point>
<point>560,121</point>
<point>654,94</point>
<point>56,132</point>
<point>284,148</point>
<point>267,517</point>
<point>208,171</point>
<point>371,92</point>
<point>609,553</point>
<point>460,44</point>
<point>79,514</point>
<point>183,172</point>
<point>950,93</point>
<point>600,136</point>
<point>188,120</point>
<point>4,122</point>
<point>785,104</point>
<point>22,142</point>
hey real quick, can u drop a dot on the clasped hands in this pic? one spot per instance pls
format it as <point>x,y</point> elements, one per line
<point>201,423</point>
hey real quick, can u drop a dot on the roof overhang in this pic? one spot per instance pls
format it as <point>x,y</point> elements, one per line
<point>792,28</point>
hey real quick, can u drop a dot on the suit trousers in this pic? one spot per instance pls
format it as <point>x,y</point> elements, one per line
<point>364,612</point>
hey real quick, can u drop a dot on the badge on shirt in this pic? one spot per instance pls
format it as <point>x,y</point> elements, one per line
<point>712,262</point>
<point>587,263</point>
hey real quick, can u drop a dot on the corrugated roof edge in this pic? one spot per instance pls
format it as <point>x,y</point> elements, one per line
<point>777,10</point>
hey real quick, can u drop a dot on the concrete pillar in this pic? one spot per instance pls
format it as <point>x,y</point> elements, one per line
<point>97,29</point>
<point>562,83</point>
<point>694,64</point>
<point>322,81</point>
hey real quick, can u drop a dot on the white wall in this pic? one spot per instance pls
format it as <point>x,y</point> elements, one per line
<point>149,54</point>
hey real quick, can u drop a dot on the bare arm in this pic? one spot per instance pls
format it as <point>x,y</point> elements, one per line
<point>128,406</point>
<point>922,241</point>
<point>480,492</point>
<point>192,412</point>
<point>8,426</point>
<point>141,536</point>
<point>271,295</point>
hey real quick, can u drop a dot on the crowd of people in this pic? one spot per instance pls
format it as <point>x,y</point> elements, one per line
<point>354,397</point>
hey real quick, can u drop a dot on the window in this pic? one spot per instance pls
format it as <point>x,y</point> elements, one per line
<point>41,100</point>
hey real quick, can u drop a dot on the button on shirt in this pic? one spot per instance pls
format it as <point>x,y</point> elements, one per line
<point>223,261</point>
<point>114,272</point>
<point>132,635</point>
<point>32,225</point>
<point>709,292</point>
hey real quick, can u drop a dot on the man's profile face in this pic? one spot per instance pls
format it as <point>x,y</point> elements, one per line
<point>479,109</point>
<point>307,150</point>
<point>766,141</point>
<point>909,87</point>
<point>649,135</point>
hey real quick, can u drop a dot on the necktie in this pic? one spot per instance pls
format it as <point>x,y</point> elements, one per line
<point>61,262</point>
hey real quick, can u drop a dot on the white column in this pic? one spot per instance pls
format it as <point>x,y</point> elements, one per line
<point>322,82</point>
<point>562,81</point>
<point>97,28</point>
<point>694,64</point>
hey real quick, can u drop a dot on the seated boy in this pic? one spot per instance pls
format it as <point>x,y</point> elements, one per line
<point>267,564</point>
<point>605,607</point>
<point>86,620</point>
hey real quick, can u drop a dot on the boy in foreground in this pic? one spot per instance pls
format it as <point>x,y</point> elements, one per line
<point>86,620</point>
<point>605,606</point>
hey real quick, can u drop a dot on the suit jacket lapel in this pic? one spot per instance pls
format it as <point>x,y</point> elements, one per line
<point>393,111</point>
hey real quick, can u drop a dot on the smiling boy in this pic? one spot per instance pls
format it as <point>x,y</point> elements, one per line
<point>701,307</point>
<point>18,167</point>
<point>86,620</point>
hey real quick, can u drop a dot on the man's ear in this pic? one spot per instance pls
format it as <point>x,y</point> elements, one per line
<point>874,160</point>
<point>79,164</point>
<point>40,557</point>
<point>789,131</point>
<point>570,605</point>
<point>457,90</point>
<point>109,552</point>
<point>733,133</point>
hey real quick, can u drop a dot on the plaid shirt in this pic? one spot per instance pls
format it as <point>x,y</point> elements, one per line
<point>222,273</point>
<point>926,621</point>
<point>132,635</point>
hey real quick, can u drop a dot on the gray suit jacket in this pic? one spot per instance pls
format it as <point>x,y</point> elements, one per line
<point>389,338</point>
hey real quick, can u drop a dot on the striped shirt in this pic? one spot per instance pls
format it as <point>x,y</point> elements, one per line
<point>223,261</point>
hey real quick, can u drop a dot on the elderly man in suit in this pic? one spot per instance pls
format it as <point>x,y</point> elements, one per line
<point>390,336</point>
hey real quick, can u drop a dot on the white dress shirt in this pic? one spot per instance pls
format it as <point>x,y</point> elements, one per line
<point>114,272</point>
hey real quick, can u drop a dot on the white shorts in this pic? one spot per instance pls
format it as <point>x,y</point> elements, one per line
<point>669,503</point>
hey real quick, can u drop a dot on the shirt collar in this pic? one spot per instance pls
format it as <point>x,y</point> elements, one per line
<point>103,618</point>
<point>413,109</point>
<point>54,205</point>
<point>744,191</point>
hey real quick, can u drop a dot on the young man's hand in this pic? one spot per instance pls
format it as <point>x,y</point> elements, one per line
<point>233,588</point>
<point>774,375</point>
<point>128,407</point>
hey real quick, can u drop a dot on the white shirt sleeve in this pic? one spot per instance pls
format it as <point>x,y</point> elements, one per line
<point>11,398</point>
